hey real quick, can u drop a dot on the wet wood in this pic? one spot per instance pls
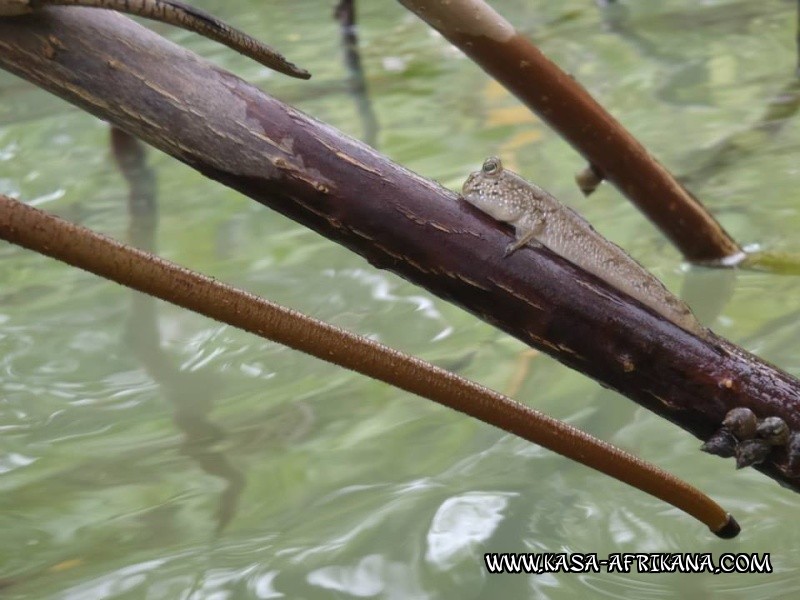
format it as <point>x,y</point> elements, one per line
<point>307,170</point>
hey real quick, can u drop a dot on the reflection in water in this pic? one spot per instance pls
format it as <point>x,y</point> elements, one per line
<point>345,13</point>
<point>192,394</point>
<point>708,292</point>
<point>746,143</point>
<point>284,532</point>
<point>615,18</point>
<point>797,36</point>
<point>741,147</point>
<point>682,75</point>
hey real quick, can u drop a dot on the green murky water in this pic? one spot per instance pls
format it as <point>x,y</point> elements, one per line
<point>146,452</point>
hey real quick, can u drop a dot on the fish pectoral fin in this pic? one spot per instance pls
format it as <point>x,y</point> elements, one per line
<point>523,238</point>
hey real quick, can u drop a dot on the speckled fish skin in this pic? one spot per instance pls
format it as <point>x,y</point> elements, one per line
<point>540,218</point>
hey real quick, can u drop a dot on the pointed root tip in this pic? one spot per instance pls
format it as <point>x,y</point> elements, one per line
<point>299,73</point>
<point>278,62</point>
<point>288,68</point>
<point>729,530</point>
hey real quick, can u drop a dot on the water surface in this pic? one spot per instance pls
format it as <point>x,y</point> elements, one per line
<point>147,452</point>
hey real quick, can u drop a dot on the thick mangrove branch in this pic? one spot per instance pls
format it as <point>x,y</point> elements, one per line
<point>144,272</point>
<point>341,188</point>
<point>613,153</point>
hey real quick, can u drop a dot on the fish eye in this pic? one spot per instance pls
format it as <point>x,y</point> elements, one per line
<point>492,166</point>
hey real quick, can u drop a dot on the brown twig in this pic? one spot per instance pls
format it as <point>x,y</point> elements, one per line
<point>178,14</point>
<point>493,43</point>
<point>82,248</point>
